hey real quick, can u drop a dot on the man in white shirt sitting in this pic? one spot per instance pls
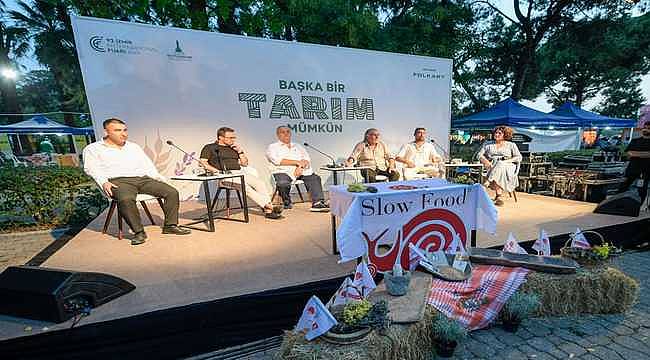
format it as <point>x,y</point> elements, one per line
<point>420,158</point>
<point>293,162</point>
<point>123,171</point>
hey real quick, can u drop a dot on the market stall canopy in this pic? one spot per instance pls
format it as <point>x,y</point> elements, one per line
<point>511,113</point>
<point>42,125</point>
<point>588,119</point>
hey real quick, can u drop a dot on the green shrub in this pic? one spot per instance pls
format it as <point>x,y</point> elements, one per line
<point>447,330</point>
<point>45,197</point>
<point>519,307</point>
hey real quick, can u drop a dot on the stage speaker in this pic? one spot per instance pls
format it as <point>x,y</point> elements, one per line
<point>55,295</point>
<point>626,204</point>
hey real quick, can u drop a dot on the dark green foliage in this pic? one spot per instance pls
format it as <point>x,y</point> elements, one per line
<point>46,197</point>
<point>568,49</point>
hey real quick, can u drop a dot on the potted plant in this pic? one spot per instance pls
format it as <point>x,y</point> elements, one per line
<point>519,307</point>
<point>447,333</point>
<point>397,281</point>
<point>356,320</point>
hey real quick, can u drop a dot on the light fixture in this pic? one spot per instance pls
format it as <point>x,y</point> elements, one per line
<point>9,73</point>
<point>551,127</point>
<point>608,128</point>
<point>532,127</point>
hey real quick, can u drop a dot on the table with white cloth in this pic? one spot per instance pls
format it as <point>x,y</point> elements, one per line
<point>335,170</point>
<point>430,213</point>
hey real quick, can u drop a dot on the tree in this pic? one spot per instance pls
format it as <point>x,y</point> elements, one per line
<point>529,28</point>
<point>13,45</point>
<point>622,99</point>
<point>49,25</point>
<point>38,92</point>
<point>448,29</point>
<point>588,56</point>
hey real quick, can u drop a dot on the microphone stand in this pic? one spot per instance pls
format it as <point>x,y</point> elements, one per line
<point>324,154</point>
<point>206,173</point>
<point>444,152</point>
<point>220,160</point>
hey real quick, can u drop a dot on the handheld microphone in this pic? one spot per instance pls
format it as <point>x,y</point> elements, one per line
<point>333,165</point>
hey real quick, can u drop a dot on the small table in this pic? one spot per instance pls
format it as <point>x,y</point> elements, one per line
<point>456,166</point>
<point>208,199</point>
<point>335,179</point>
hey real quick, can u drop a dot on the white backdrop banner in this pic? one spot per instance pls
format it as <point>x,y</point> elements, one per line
<point>179,84</point>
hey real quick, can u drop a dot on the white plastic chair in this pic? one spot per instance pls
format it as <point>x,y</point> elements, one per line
<point>296,182</point>
<point>140,198</point>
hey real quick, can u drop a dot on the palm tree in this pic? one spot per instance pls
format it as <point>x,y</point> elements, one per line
<point>48,24</point>
<point>14,44</point>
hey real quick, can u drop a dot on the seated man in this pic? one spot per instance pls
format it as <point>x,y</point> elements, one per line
<point>374,153</point>
<point>420,158</point>
<point>123,171</point>
<point>294,163</point>
<point>225,154</point>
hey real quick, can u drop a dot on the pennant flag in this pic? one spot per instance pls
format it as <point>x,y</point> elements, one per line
<point>456,245</point>
<point>578,240</point>
<point>345,294</point>
<point>415,255</point>
<point>438,258</point>
<point>512,245</point>
<point>363,281</point>
<point>315,320</point>
<point>542,244</point>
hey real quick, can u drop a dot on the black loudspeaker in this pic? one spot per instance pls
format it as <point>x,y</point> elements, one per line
<point>626,204</point>
<point>55,295</point>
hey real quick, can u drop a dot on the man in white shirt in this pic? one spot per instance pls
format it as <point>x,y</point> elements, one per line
<point>293,162</point>
<point>420,158</point>
<point>123,171</point>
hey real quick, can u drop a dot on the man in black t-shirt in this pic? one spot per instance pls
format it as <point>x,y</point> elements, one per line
<point>638,152</point>
<point>225,154</point>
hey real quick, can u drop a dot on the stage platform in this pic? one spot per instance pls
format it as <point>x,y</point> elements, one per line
<point>171,271</point>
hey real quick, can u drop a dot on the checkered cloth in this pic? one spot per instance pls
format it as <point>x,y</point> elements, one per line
<point>476,302</point>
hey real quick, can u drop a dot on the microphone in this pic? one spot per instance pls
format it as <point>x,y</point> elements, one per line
<point>170,143</point>
<point>444,152</point>
<point>324,154</point>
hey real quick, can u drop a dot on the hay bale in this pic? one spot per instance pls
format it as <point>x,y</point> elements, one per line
<point>593,290</point>
<point>598,290</point>
<point>407,342</point>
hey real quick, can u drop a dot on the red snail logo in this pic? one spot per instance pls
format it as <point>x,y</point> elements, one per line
<point>430,230</point>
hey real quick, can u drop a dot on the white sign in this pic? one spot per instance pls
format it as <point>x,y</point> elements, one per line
<point>179,84</point>
<point>432,216</point>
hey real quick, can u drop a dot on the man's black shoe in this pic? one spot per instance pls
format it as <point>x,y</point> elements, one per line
<point>174,229</point>
<point>272,215</point>
<point>319,206</point>
<point>139,238</point>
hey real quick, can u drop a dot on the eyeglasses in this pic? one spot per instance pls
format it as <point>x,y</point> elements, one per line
<point>231,137</point>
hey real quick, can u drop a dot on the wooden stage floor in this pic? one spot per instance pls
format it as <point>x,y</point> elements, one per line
<point>241,258</point>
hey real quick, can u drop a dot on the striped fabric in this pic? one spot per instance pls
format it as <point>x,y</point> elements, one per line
<point>476,302</point>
